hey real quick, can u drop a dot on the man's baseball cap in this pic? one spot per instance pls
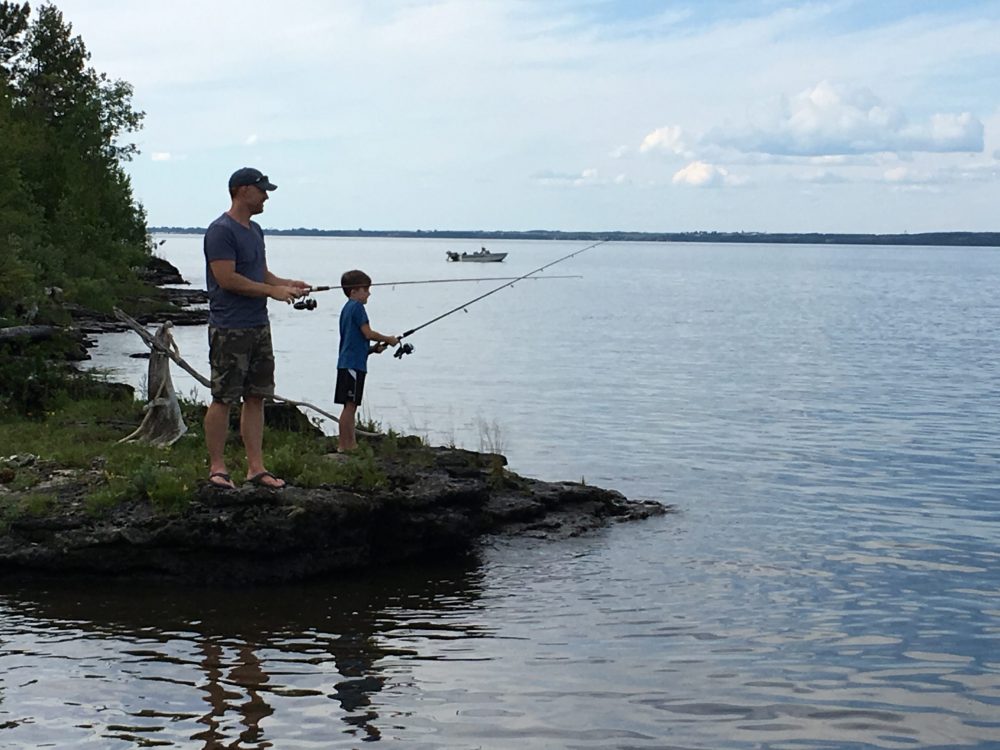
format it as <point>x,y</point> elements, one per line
<point>251,176</point>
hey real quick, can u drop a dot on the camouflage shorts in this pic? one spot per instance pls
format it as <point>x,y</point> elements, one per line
<point>242,363</point>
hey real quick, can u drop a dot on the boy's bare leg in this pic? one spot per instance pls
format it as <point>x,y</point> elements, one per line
<point>347,438</point>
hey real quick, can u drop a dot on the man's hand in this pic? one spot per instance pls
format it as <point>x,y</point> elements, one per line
<point>393,341</point>
<point>286,293</point>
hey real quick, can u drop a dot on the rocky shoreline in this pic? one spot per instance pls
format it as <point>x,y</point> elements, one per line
<point>187,307</point>
<point>254,534</point>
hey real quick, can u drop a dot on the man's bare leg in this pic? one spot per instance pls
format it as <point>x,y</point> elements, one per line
<point>216,430</point>
<point>252,432</point>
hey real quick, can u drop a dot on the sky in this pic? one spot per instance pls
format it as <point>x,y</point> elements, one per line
<point>586,115</point>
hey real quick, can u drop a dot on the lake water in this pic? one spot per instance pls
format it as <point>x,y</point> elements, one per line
<point>826,421</point>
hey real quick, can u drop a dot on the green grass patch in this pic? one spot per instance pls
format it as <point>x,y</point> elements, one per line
<point>83,434</point>
<point>304,461</point>
<point>13,507</point>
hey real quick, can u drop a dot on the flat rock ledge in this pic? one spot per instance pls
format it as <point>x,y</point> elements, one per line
<point>254,534</point>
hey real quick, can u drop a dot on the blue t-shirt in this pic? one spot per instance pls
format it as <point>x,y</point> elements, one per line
<point>227,239</point>
<point>353,344</point>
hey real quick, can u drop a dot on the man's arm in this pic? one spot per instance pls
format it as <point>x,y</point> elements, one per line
<point>225,275</point>
<point>270,278</point>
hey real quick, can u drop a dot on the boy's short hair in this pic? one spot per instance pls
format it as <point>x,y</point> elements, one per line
<point>354,280</point>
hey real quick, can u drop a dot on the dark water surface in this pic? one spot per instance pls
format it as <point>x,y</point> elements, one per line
<point>825,420</point>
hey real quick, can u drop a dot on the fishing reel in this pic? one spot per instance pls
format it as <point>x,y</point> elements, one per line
<point>305,304</point>
<point>403,349</point>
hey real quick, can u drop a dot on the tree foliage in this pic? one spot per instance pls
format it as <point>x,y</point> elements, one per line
<point>68,218</point>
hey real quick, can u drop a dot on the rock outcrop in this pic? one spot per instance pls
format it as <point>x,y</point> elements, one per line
<point>257,534</point>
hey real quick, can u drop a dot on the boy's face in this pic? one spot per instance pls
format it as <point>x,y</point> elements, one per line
<point>361,293</point>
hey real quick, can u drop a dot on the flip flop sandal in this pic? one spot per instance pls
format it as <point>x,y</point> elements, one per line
<point>258,481</point>
<point>225,477</point>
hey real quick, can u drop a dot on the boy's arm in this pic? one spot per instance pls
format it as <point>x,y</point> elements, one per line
<point>380,338</point>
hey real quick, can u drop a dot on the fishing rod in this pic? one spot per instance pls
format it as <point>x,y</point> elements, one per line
<point>310,304</point>
<point>437,281</point>
<point>408,348</point>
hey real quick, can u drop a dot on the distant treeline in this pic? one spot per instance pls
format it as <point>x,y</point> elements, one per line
<point>977,239</point>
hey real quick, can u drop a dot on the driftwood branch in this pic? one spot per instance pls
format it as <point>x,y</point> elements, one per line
<point>163,424</point>
<point>151,342</point>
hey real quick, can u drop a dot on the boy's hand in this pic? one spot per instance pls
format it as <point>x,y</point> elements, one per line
<point>393,341</point>
<point>379,348</point>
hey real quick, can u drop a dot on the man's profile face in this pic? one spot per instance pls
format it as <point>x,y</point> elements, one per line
<point>253,198</point>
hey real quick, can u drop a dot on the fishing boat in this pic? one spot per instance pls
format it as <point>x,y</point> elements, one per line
<point>482,256</point>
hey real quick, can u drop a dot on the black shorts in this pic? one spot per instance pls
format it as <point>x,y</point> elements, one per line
<point>350,387</point>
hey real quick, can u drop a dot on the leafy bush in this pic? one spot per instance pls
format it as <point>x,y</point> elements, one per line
<point>29,384</point>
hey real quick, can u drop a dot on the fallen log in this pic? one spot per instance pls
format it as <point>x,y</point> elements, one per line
<point>29,333</point>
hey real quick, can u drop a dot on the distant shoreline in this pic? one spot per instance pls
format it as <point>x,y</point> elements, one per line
<point>960,239</point>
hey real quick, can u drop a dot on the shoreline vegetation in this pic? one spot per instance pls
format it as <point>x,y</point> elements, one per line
<point>956,239</point>
<point>75,501</point>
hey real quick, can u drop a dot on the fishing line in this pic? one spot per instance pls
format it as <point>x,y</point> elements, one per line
<point>412,331</point>
<point>308,303</point>
<point>439,281</point>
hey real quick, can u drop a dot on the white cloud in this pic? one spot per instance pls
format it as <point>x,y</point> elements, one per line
<point>945,133</point>
<point>837,159</point>
<point>702,174</point>
<point>160,156</point>
<point>587,178</point>
<point>827,120</point>
<point>250,140</point>
<point>978,172</point>
<point>668,139</point>
<point>823,177</point>
<point>906,176</point>
<point>620,152</point>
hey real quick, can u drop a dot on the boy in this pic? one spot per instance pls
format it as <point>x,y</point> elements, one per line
<point>352,364</point>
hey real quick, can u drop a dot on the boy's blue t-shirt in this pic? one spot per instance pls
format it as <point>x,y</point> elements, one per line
<point>353,344</point>
<point>227,239</point>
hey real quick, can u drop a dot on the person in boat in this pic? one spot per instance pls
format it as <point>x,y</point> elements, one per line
<point>352,362</point>
<point>239,333</point>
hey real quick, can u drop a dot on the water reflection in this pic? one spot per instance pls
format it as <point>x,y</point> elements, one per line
<point>248,674</point>
<point>222,667</point>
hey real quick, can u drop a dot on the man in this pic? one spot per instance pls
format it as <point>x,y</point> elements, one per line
<point>239,335</point>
